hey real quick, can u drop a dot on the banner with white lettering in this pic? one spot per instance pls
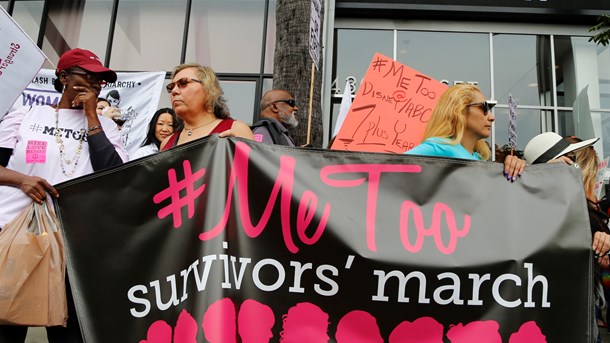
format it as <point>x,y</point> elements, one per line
<point>227,240</point>
<point>135,94</point>
<point>20,60</point>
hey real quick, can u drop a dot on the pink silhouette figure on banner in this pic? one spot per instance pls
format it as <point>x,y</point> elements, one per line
<point>158,332</point>
<point>185,331</point>
<point>358,327</point>
<point>186,328</point>
<point>422,330</point>
<point>478,331</point>
<point>254,322</point>
<point>305,322</point>
<point>219,322</point>
<point>529,332</point>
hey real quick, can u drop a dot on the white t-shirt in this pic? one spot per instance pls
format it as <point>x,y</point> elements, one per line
<point>145,151</point>
<point>30,132</point>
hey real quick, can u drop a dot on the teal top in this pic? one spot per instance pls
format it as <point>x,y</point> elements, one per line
<point>442,147</point>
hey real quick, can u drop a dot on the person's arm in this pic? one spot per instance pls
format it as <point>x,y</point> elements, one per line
<point>105,150</point>
<point>103,153</point>
<point>33,186</point>
<point>238,129</point>
<point>5,155</point>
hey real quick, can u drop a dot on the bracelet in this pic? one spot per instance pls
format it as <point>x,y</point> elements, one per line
<point>93,128</point>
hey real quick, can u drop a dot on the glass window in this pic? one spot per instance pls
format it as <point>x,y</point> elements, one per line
<point>270,46</point>
<point>72,26</point>
<point>565,124</point>
<point>240,99</point>
<point>353,55</point>
<point>603,63</point>
<point>576,68</point>
<point>580,69</point>
<point>529,124</point>
<point>267,85</point>
<point>460,58</point>
<point>605,133</point>
<point>28,15</point>
<point>226,34</point>
<point>148,35</point>
<point>4,5</point>
<point>355,50</point>
<point>240,96</point>
<point>522,68</point>
<point>164,100</point>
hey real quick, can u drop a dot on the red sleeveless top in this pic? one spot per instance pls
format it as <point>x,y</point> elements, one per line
<point>224,125</point>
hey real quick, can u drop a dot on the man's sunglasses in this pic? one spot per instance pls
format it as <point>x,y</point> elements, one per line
<point>486,106</point>
<point>290,102</point>
<point>181,83</point>
<point>91,78</point>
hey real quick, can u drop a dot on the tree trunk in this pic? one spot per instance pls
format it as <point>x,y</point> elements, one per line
<point>293,65</point>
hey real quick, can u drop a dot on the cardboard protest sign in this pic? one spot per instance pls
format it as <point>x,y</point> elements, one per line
<point>135,94</point>
<point>227,240</point>
<point>20,60</point>
<point>391,109</point>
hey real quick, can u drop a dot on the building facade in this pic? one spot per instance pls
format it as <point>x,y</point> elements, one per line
<point>537,51</point>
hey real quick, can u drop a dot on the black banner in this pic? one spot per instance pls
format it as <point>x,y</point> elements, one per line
<point>226,240</point>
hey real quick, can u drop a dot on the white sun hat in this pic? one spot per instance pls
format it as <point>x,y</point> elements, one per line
<point>549,145</point>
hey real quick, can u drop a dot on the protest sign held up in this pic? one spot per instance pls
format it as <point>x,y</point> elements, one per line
<point>20,60</point>
<point>391,109</point>
<point>136,94</point>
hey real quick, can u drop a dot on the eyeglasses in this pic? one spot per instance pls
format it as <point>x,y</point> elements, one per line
<point>181,83</point>
<point>91,78</point>
<point>290,102</point>
<point>486,106</point>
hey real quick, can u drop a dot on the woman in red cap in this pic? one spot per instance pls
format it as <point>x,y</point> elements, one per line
<point>41,146</point>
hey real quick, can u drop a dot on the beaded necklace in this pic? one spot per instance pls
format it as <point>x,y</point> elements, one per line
<point>62,152</point>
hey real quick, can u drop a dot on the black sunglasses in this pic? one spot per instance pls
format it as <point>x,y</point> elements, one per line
<point>181,83</point>
<point>486,106</point>
<point>91,78</point>
<point>290,102</point>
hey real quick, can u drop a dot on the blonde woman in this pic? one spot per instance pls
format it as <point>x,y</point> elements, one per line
<point>550,147</point>
<point>458,126</point>
<point>198,100</point>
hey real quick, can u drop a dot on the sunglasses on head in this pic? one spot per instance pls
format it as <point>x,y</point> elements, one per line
<point>181,83</point>
<point>91,78</point>
<point>486,106</point>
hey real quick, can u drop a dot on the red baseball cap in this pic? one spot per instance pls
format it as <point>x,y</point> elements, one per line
<point>86,60</point>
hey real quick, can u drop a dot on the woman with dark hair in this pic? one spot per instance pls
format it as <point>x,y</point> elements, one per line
<point>197,98</point>
<point>71,140</point>
<point>163,123</point>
